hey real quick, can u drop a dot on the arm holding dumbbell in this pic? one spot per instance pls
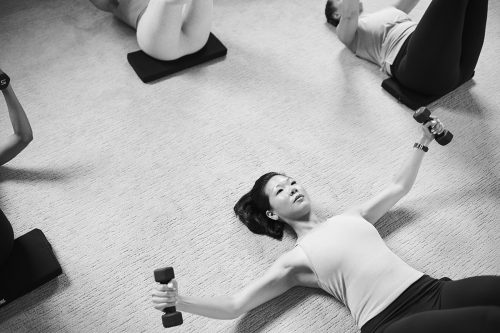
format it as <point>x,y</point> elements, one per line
<point>276,280</point>
<point>23,134</point>
<point>376,207</point>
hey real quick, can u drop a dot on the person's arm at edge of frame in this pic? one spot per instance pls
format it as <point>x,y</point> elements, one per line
<point>23,134</point>
<point>348,25</point>
<point>376,207</point>
<point>406,5</point>
<point>276,280</point>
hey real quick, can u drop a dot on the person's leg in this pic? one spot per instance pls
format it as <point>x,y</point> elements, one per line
<point>473,291</point>
<point>197,25</point>
<point>170,29</point>
<point>432,61</point>
<point>6,238</point>
<point>484,319</point>
<point>159,29</point>
<point>473,36</point>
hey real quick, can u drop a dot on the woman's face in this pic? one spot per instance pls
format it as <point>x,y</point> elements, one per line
<point>287,198</point>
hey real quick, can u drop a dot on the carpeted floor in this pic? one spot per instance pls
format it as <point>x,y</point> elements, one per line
<point>125,177</point>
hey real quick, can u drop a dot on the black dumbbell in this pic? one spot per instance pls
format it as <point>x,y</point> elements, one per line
<point>171,317</point>
<point>4,80</point>
<point>422,116</point>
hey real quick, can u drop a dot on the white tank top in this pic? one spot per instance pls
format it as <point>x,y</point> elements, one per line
<point>352,263</point>
<point>129,11</point>
<point>380,36</point>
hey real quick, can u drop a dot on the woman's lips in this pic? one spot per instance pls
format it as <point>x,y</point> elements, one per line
<point>298,197</point>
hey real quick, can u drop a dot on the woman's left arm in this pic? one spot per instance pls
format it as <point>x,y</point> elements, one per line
<point>406,5</point>
<point>23,135</point>
<point>376,207</point>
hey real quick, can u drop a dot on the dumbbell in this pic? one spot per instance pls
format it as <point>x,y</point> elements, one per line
<point>171,317</point>
<point>4,81</point>
<point>422,116</point>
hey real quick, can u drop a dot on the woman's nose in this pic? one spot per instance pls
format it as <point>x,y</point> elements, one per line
<point>293,190</point>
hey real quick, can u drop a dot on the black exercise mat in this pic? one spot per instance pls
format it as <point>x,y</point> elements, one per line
<point>149,69</point>
<point>30,264</point>
<point>408,97</point>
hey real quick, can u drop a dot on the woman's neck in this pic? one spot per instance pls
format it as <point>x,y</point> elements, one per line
<point>303,226</point>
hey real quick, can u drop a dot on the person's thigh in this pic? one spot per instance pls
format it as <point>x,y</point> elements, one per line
<point>432,61</point>
<point>473,291</point>
<point>463,320</point>
<point>473,36</point>
<point>6,238</point>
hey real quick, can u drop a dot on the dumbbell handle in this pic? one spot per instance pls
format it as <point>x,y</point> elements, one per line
<point>171,316</point>
<point>422,115</point>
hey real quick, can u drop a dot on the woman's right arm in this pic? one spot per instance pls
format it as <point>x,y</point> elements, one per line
<point>275,281</point>
<point>348,25</point>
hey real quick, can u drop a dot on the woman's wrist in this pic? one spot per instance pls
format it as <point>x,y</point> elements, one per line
<point>180,304</point>
<point>425,141</point>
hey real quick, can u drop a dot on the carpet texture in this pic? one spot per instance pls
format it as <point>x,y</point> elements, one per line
<point>125,177</point>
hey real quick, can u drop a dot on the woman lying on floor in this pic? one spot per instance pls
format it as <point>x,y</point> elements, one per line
<point>432,57</point>
<point>166,29</point>
<point>346,257</point>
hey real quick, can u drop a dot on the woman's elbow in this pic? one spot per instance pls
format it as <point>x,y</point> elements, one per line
<point>402,189</point>
<point>27,138</point>
<point>236,308</point>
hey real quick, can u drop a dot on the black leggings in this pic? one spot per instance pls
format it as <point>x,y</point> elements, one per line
<point>443,51</point>
<point>443,306</point>
<point>6,238</point>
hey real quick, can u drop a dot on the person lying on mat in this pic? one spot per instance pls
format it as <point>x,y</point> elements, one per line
<point>432,57</point>
<point>345,256</point>
<point>23,134</point>
<point>166,29</point>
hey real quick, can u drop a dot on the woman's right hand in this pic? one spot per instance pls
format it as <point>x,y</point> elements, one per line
<point>431,128</point>
<point>165,295</point>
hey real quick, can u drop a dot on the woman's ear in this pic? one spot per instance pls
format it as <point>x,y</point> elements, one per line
<point>336,15</point>
<point>272,215</point>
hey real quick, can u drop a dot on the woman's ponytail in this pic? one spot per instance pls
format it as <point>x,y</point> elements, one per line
<point>251,210</point>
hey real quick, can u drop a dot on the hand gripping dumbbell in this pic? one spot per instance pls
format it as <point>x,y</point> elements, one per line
<point>171,317</point>
<point>4,80</point>
<point>422,116</point>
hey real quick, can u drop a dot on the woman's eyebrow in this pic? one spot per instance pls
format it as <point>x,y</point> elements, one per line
<point>288,180</point>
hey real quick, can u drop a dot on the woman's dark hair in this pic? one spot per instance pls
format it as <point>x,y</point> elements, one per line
<point>330,9</point>
<point>251,210</point>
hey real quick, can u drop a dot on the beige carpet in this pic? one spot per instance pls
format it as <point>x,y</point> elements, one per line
<point>125,177</point>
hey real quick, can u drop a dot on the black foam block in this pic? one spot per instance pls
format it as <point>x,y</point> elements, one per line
<point>411,98</point>
<point>408,97</point>
<point>149,69</point>
<point>30,264</point>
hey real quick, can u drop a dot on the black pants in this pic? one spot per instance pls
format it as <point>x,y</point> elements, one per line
<point>443,51</point>
<point>442,306</point>
<point>6,238</point>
